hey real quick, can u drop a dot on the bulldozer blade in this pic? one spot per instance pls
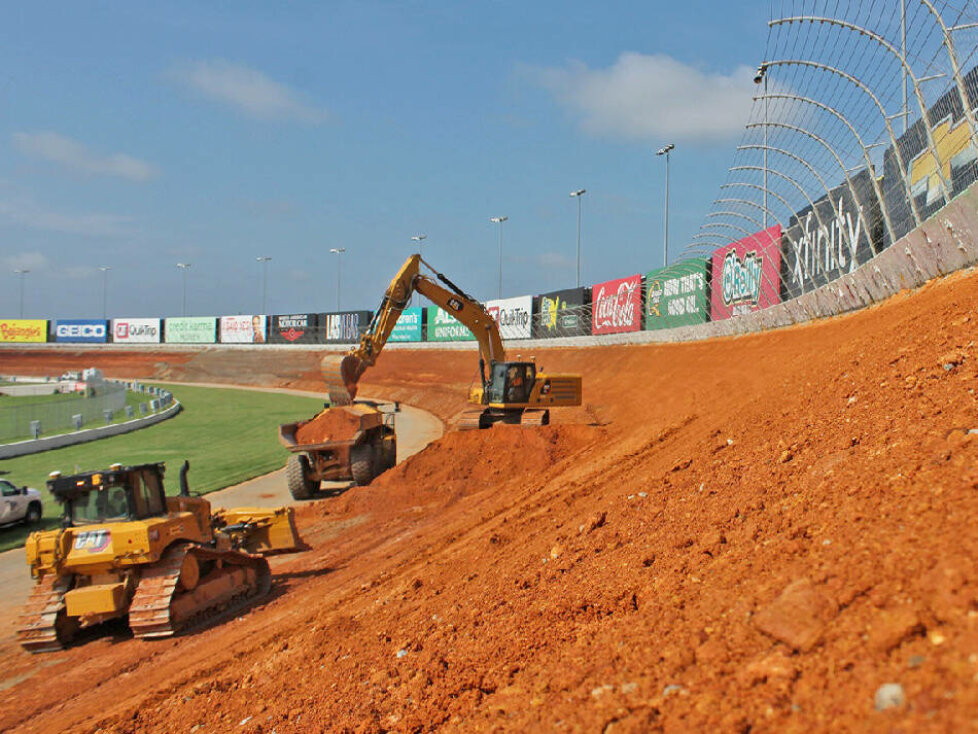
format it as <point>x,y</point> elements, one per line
<point>341,374</point>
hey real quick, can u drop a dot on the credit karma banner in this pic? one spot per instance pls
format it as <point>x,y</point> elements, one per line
<point>676,295</point>
<point>136,331</point>
<point>443,327</point>
<point>746,274</point>
<point>191,330</point>
<point>88,331</point>
<point>23,330</point>
<point>514,316</point>
<point>409,326</point>
<point>296,328</point>
<point>562,313</point>
<point>243,329</point>
<point>345,327</point>
<point>617,305</point>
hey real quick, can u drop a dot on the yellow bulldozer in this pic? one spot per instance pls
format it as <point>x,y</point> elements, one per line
<point>125,548</point>
<point>508,392</point>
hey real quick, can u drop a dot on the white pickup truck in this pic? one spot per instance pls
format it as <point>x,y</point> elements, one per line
<point>19,504</point>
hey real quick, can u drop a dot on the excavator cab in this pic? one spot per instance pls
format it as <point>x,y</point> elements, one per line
<point>511,382</point>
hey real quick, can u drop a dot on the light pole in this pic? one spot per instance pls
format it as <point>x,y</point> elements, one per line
<point>761,76</point>
<point>499,221</point>
<point>105,288</point>
<point>338,251</point>
<point>263,259</point>
<point>419,238</point>
<point>665,248</point>
<point>577,195</point>
<point>184,267</point>
<point>22,272</point>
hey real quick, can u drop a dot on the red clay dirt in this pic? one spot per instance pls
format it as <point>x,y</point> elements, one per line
<point>332,424</point>
<point>748,534</point>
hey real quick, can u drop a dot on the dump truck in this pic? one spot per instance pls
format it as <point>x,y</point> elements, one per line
<point>507,391</point>
<point>353,443</point>
<point>125,549</point>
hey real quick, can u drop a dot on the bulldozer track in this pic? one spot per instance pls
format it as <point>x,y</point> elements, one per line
<point>151,612</point>
<point>38,630</point>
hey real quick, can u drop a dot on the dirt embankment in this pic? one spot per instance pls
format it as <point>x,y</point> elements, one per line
<point>751,534</point>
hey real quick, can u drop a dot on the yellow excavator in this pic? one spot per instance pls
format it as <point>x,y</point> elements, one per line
<point>125,548</point>
<point>509,392</point>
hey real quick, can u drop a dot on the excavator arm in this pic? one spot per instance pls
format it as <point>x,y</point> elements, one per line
<point>342,372</point>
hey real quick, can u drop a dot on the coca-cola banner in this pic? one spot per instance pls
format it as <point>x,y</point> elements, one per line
<point>136,331</point>
<point>243,329</point>
<point>345,327</point>
<point>562,313</point>
<point>617,305</point>
<point>513,316</point>
<point>676,295</point>
<point>296,328</point>
<point>746,274</point>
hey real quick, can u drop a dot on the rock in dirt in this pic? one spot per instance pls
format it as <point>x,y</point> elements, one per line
<point>797,617</point>
<point>889,696</point>
<point>331,425</point>
<point>775,666</point>
<point>593,522</point>
<point>892,627</point>
<point>950,360</point>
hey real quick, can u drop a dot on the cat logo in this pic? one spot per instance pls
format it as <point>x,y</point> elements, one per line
<point>455,304</point>
<point>93,541</point>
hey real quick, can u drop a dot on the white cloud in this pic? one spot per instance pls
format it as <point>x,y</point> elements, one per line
<point>653,98</point>
<point>72,154</point>
<point>555,261</point>
<point>32,261</point>
<point>249,90</point>
<point>25,212</point>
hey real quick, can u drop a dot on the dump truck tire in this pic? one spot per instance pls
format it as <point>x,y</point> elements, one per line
<point>362,462</point>
<point>296,469</point>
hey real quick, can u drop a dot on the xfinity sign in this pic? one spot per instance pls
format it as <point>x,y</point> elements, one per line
<point>81,330</point>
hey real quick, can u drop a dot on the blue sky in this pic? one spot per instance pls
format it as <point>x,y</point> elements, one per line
<point>138,135</point>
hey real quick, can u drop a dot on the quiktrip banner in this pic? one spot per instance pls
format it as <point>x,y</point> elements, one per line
<point>243,329</point>
<point>562,313</point>
<point>513,315</point>
<point>677,295</point>
<point>443,327</point>
<point>746,274</point>
<point>297,328</point>
<point>190,330</point>
<point>23,330</point>
<point>83,331</point>
<point>616,305</point>
<point>409,326</point>
<point>136,331</point>
<point>345,327</point>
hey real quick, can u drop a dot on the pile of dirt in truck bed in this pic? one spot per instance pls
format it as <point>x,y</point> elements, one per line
<point>332,424</point>
<point>766,533</point>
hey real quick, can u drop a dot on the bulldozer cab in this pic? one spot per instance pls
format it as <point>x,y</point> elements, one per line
<point>511,382</point>
<point>116,495</point>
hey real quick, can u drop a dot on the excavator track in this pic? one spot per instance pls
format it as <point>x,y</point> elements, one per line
<point>471,420</point>
<point>44,627</point>
<point>162,605</point>
<point>535,417</point>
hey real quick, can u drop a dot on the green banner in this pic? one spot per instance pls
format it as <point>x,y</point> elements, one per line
<point>443,327</point>
<point>190,330</point>
<point>677,295</point>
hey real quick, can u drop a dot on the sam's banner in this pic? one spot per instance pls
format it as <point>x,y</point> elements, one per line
<point>86,331</point>
<point>136,331</point>
<point>345,327</point>
<point>296,328</point>
<point>514,316</point>
<point>243,329</point>
<point>23,330</point>
<point>745,275</point>
<point>676,295</point>
<point>409,326</point>
<point>616,305</point>
<point>443,327</point>
<point>190,330</point>
<point>562,313</point>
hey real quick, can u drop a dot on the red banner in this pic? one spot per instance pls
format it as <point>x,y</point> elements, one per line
<point>747,274</point>
<point>616,306</point>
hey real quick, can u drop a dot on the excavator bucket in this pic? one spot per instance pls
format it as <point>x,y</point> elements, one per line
<point>341,372</point>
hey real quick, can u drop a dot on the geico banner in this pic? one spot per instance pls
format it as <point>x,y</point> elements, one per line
<point>616,306</point>
<point>243,329</point>
<point>81,330</point>
<point>136,331</point>
<point>443,327</point>
<point>676,295</point>
<point>745,275</point>
<point>345,327</point>
<point>190,330</point>
<point>296,328</point>
<point>562,313</point>
<point>23,330</point>
<point>514,316</point>
<point>409,326</point>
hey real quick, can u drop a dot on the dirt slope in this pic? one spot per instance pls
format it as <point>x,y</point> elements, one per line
<point>751,534</point>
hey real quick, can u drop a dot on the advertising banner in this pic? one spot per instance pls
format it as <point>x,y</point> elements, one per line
<point>562,313</point>
<point>190,330</point>
<point>88,331</point>
<point>409,326</point>
<point>243,329</point>
<point>346,327</point>
<point>677,295</point>
<point>514,316</point>
<point>136,331</point>
<point>745,275</point>
<point>23,330</point>
<point>298,328</point>
<point>617,305</point>
<point>443,327</point>
<point>831,239</point>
